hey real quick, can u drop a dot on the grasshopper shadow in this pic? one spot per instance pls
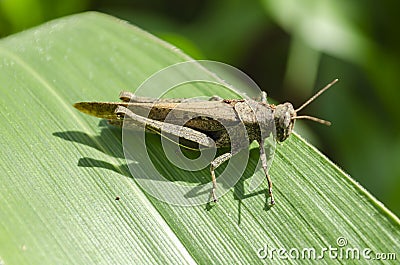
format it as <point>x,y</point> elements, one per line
<point>110,142</point>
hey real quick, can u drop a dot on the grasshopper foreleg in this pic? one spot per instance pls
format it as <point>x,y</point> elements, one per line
<point>214,164</point>
<point>263,158</point>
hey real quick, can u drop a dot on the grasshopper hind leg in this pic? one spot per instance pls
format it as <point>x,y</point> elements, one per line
<point>214,165</point>
<point>126,96</point>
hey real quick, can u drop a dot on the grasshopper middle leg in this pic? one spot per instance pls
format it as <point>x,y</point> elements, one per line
<point>263,158</point>
<point>214,164</point>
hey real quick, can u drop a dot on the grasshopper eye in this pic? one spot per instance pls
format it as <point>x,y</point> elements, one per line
<point>287,119</point>
<point>284,121</point>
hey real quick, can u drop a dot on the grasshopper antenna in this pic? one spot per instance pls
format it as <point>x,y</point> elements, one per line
<point>316,95</point>
<point>327,123</point>
<point>311,100</point>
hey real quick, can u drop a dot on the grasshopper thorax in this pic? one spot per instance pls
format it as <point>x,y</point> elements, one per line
<point>284,117</point>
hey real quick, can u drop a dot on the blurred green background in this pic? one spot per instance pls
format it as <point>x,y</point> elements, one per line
<point>290,48</point>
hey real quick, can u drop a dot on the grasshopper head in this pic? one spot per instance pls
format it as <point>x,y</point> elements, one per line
<point>284,117</point>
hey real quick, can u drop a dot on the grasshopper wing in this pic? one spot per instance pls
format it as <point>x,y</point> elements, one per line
<point>103,110</point>
<point>199,115</point>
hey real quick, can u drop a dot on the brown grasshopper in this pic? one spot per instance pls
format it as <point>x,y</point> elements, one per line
<point>211,123</point>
